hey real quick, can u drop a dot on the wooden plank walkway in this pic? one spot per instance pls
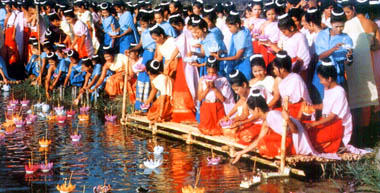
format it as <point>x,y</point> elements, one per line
<point>191,135</point>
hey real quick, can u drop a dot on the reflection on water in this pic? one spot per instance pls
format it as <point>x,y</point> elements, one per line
<point>115,155</point>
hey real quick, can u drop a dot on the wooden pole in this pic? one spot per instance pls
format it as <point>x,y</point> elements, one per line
<point>283,139</point>
<point>38,33</point>
<point>123,119</point>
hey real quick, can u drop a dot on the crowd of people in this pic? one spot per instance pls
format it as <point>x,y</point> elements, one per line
<point>228,71</point>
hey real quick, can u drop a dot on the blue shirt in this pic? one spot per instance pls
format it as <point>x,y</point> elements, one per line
<point>242,40</point>
<point>107,24</point>
<point>219,36</point>
<point>169,30</point>
<point>126,22</point>
<point>325,41</point>
<point>147,40</point>
<point>211,41</point>
<point>3,14</point>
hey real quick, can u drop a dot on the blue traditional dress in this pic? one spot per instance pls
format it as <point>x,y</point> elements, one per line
<point>3,67</point>
<point>126,22</point>
<point>241,40</point>
<point>212,40</point>
<point>63,66</point>
<point>169,30</point>
<point>3,14</point>
<point>108,29</point>
<point>325,42</point>
<point>143,81</point>
<point>34,65</point>
<point>77,76</point>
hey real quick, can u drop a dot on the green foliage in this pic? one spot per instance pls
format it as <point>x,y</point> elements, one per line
<point>367,171</point>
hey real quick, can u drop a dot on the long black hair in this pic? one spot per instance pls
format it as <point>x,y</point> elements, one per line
<point>283,60</point>
<point>237,78</point>
<point>327,69</point>
<point>256,100</point>
<point>154,67</point>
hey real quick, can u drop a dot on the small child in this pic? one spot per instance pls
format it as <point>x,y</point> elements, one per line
<point>213,91</point>
<point>161,109</point>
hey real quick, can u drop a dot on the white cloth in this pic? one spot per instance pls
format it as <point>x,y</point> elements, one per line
<point>335,101</point>
<point>296,46</point>
<point>167,48</point>
<point>163,84</point>
<point>266,87</point>
<point>360,74</point>
<point>295,88</point>
<point>120,63</point>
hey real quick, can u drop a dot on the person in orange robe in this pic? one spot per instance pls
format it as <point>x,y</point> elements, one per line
<point>210,93</point>
<point>334,129</point>
<point>161,109</point>
<point>183,104</point>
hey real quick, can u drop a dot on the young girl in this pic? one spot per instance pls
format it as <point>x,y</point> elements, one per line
<point>213,91</point>
<point>244,129</point>
<point>165,48</point>
<point>82,41</point>
<point>295,44</point>
<point>210,18</point>
<point>92,73</point>
<point>334,129</point>
<point>262,80</point>
<point>75,74</point>
<point>268,32</point>
<point>128,31</point>
<point>336,45</point>
<point>254,22</point>
<point>240,47</point>
<point>110,25</point>
<point>291,85</point>
<point>3,71</point>
<point>159,18</point>
<point>269,140</point>
<point>161,108</point>
<point>55,74</point>
<point>209,42</point>
<point>47,49</point>
<point>149,46</point>
<point>118,64</point>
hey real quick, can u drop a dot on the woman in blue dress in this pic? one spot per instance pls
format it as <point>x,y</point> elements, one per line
<point>149,46</point>
<point>240,48</point>
<point>210,44</point>
<point>334,44</point>
<point>4,72</point>
<point>159,18</point>
<point>110,25</point>
<point>128,32</point>
<point>55,74</point>
<point>75,75</point>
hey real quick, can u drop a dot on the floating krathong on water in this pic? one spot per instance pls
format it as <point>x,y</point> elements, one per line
<point>24,102</point>
<point>152,164</point>
<point>44,142</point>
<point>30,168</point>
<point>66,187</point>
<point>83,117</point>
<point>46,166</point>
<point>212,160</point>
<point>105,188</point>
<point>76,136</point>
